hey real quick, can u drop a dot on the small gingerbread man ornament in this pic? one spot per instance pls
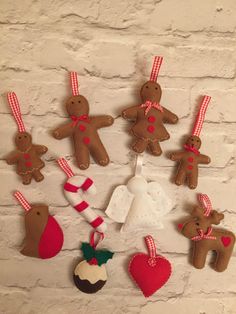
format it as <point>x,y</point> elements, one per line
<point>27,155</point>
<point>150,116</point>
<point>83,129</point>
<point>190,157</point>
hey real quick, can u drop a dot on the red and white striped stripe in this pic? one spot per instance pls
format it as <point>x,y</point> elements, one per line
<point>201,235</point>
<point>75,189</point>
<point>15,107</point>
<point>201,116</point>
<point>156,68</point>
<point>152,251</point>
<point>24,203</point>
<point>74,83</point>
<point>205,203</point>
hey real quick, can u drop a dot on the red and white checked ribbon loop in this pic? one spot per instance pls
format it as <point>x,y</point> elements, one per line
<point>151,250</point>
<point>94,242</point>
<point>65,167</point>
<point>206,203</point>
<point>201,116</point>
<point>156,68</point>
<point>24,203</point>
<point>15,108</point>
<point>201,235</point>
<point>74,83</point>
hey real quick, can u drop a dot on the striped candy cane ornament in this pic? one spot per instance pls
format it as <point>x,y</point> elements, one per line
<point>75,189</point>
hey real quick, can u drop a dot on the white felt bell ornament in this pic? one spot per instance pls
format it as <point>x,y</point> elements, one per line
<point>139,204</point>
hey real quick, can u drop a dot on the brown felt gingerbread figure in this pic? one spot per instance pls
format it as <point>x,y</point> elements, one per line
<point>83,129</point>
<point>205,238</point>
<point>190,157</point>
<point>27,155</point>
<point>150,116</point>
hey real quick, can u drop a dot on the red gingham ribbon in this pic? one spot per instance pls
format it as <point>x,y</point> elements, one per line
<point>15,107</point>
<point>201,115</point>
<point>24,203</point>
<point>206,203</point>
<point>74,83</point>
<point>94,242</point>
<point>151,250</point>
<point>148,105</point>
<point>65,167</point>
<point>156,68</point>
<point>202,236</point>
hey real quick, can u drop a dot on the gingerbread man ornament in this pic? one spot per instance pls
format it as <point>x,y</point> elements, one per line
<point>190,157</point>
<point>83,129</point>
<point>27,155</point>
<point>150,116</point>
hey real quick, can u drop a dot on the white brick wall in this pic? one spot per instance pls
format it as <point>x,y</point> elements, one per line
<point>111,44</point>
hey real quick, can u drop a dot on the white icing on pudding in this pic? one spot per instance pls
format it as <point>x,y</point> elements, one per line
<point>92,273</point>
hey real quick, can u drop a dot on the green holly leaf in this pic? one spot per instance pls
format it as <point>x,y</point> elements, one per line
<point>88,251</point>
<point>103,256</point>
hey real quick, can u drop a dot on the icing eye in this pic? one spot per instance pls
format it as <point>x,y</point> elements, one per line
<point>79,101</point>
<point>146,86</point>
<point>198,141</point>
<point>156,88</point>
<point>72,103</point>
<point>192,139</point>
<point>38,213</point>
<point>25,136</point>
<point>197,223</point>
<point>19,137</point>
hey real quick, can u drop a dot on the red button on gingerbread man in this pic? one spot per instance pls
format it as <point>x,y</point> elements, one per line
<point>150,116</point>
<point>83,129</point>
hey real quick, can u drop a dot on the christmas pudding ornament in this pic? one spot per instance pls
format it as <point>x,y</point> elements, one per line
<point>139,204</point>
<point>83,129</point>
<point>90,275</point>
<point>76,188</point>
<point>27,155</point>
<point>190,157</point>
<point>150,116</point>
<point>149,271</point>
<point>205,238</point>
<point>44,237</point>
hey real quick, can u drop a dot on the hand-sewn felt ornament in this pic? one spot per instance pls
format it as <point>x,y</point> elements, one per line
<point>149,271</point>
<point>205,238</point>
<point>76,188</point>
<point>83,129</point>
<point>90,275</point>
<point>27,155</point>
<point>139,204</point>
<point>190,157</point>
<point>150,116</point>
<point>44,237</point>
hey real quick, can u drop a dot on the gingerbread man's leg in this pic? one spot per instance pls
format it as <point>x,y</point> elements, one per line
<point>193,180</point>
<point>26,178</point>
<point>82,155</point>
<point>155,148</point>
<point>139,145</point>
<point>37,175</point>
<point>98,152</point>
<point>180,177</point>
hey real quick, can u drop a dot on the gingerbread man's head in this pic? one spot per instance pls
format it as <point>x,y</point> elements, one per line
<point>23,141</point>
<point>151,91</point>
<point>194,142</point>
<point>77,106</point>
<point>199,221</point>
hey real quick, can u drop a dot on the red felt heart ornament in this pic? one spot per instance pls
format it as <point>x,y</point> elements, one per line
<point>150,272</point>
<point>226,241</point>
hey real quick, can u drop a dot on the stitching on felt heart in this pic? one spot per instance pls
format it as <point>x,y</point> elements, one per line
<point>226,241</point>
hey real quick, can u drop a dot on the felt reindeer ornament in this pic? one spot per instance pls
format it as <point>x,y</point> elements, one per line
<point>76,188</point>
<point>150,116</point>
<point>27,155</point>
<point>190,157</point>
<point>205,238</point>
<point>44,237</point>
<point>90,275</point>
<point>83,129</point>
<point>139,204</point>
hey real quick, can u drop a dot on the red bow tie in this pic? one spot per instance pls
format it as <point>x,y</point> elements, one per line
<point>203,235</point>
<point>191,149</point>
<point>148,105</point>
<point>83,117</point>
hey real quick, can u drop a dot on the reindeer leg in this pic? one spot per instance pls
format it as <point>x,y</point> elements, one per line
<point>222,260</point>
<point>139,145</point>
<point>199,257</point>
<point>180,177</point>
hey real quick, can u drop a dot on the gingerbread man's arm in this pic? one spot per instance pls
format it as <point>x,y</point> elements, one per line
<point>63,131</point>
<point>40,149</point>
<point>176,156</point>
<point>102,121</point>
<point>204,159</point>
<point>130,113</point>
<point>169,117</point>
<point>13,157</point>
